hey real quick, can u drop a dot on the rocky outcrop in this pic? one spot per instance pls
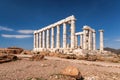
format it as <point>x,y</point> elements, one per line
<point>72,71</point>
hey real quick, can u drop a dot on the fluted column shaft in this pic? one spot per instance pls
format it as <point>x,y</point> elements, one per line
<point>81,40</point>
<point>76,41</point>
<point>43,39</point>
<point>40,40</point>
<point>94,40</point>
<point>101,40</point>
<point>64,36</point>
<point>34,41</point>
<point>72,34</point>
<point>84,39</point>
<point>58,37</point>
<point>90,40</point>
<point>48,39</point>
<point>52,40</point>
<point>37,42</point>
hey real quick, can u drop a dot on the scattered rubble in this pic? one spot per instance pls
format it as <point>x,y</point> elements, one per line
<point>37,57</point>
<point>87,55</point>
<point>7,58</point>
<point>11,50</point>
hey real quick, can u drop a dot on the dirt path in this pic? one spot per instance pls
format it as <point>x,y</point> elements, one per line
<point>24,69</point>
<point>97,63</point>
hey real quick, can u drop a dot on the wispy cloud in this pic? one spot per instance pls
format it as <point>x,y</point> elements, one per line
<point>118,40</point>
<point>5,28</point>
<point>16,36</point>
<point>26,31</point>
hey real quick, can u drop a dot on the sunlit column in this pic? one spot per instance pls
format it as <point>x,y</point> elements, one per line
<point>64,36</point>
<point>58,37</point>
<point>48,39</point>
<point>90,40</point>
<point>40,42</point>
<point>34,41</point>
<point>76,41</point>
<point>81,40</point>
<point>43,39</point>
<point>52,40</point>
<point>37,41</point>
<point>101,40</point>
<point>94,40</point>
<point>84,39</point>
<point>72,34</point>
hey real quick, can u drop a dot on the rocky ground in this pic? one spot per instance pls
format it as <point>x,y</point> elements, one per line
<point>51,67</point>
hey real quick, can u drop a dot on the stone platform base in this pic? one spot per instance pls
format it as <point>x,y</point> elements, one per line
<point>76,51</point>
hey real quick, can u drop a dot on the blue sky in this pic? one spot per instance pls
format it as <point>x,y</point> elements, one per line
<point>20,17</point>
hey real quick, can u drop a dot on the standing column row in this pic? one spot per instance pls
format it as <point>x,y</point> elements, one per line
<point>42,38</point>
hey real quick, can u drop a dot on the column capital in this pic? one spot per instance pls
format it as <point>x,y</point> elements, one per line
<point>93,31</point>
<point>58,25</point>
<point>101,30</point>
<point>35,32</point>
<point>81,34</point>
<point>48,29</point>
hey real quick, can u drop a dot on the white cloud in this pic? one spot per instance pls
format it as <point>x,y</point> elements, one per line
<point>118,40</point>
<point>5,28</point>
<point>26,31</point>
<point>16,36</point>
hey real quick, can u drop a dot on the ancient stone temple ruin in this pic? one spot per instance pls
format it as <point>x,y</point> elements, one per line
<point>55,37</point>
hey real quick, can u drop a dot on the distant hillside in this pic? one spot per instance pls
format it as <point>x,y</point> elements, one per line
<point>116,51</point>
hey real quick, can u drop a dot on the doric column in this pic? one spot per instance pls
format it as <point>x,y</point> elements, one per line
<point>48,39</point>
<point>72,34</point>
<point>90,40</point>
<point>101,40</point>
<point>84,39</point>
<point>81,40</point>
<point>52,39</point>
<point>40,40</point>
<point>58,37</point>
<point>94,40</point>
<point>37,41</point>
<point>43,39</point>
<point>34,41</point>
<point>76,41</point>
<point>64,36</point>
